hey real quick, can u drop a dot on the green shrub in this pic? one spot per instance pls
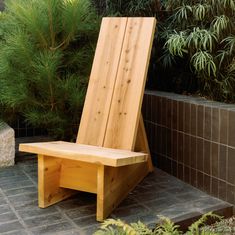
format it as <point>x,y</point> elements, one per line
<point>200,37</point>
<point>166,227</point>
<point>47,48</point>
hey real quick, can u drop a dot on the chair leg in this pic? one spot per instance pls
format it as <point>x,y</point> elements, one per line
<point>49,191</point>
<point>114,184</point>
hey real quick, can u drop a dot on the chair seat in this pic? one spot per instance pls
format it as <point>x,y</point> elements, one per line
<point>85,153</point>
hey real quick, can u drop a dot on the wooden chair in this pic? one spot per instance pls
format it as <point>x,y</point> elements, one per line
<point>103,160</point>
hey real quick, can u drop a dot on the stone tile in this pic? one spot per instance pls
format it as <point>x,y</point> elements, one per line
<point>215,125</point>
<point>231,129</point>
<point>181,114</point>
<point>200,146</point>
<point>151,195</point>
<point>7,217</point>
<point>33,203</point>
<point>191,196</point>
<point>187,118</point>
<point>186,150</point>
<point>156,206</point>
<point>223,151</point>
<point>130,210</point>
<point>25,190</point>
<point>193,152</point>
<point>11,226</point>
<point>81,212</point>
<point>180,147</point>
<point>18,232</point>
<point>13,179</point>
<point>89,230</point>
<point>215,187</point>
<point>200,120</point>
<point>175,115</point>
<point>231,193</point>
<point>16,185</point>
<point>193,119</point>
<point>207,157</point>
<point>52,229</point>
<point>5,209</point>
<point>207,127</point>
<point>231,165</point>
<point>169,113</point>
<point>2,201</point>
<point>20,199</point>
<point>43,220</point>
<point>215,159</point>
<point>223,127</point>
<point>33,211</point>
<point>222,190</point>
<point>207,184</point>
<point>88,221</point>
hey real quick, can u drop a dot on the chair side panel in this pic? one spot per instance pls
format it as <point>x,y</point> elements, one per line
<point>130,83</point>
<point>102,80</point>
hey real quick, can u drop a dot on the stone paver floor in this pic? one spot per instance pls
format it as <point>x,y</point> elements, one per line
<point>158,194</point>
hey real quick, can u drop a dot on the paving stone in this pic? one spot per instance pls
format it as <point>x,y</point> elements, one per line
<point>27,205</point>
<point>151,195</point>
<point>191,196</point>
<point>43,220</point>
<point>205,203</point>
<point>18,232</point>
<point>12,226</point>
<point>156,206</point>
<point>2,201</point>
<point>7,217</point>
<point>5,209</point>
<point>20,199</point>
<point>90,230</point>
<point>88,221</point>
<point>16,185</point>
<point>81,211</point>
<point>14,179</point>
<point>25,190</point>
<point>36,211</point>
<point>130,210</point>
<point>51,229</point>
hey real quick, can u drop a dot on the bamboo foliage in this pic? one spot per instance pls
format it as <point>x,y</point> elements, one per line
<point>203,34</point>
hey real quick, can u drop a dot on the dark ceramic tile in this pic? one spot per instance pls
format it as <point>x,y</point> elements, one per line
<point>180,147</point>
<point>200,120</point>
<point>193,177</point>
<point>231,132</point>
<point>158,139</point>
<point>180,171</point>
<point>223,126</point>
<point>215,125</point>
<point>186,150</point>
<point>164,136</point>
<point>207,125</point>
<point>207,183</point>
<point>199,154</point>
<point>193,152</point>
<point>187,174</point>
<point>231,194</point>
<point>222,162</point>
<point>154,109</point>
<point>231,165</point>
<point>215,159</point>
<point>175,116</point>
<point>169,143</point>
<point>207,157</point>
<point>193,119</point>
<point>174,168</point>
<point>164,114</point>
<point>222,190</point>
<point>181,116</point>
<point>159,114</point>
<point>174,144</point>
<point>200,180</point>
<point>169,113</point>
<point>215,187</point>
<point>187,117</point>
<point>148,108</point>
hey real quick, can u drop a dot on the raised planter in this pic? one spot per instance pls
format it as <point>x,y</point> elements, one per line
<point>193,139</point>
<point>7,145</point>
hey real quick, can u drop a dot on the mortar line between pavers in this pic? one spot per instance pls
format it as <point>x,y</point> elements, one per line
<point>67,218</point>
<point>30,178</point>
<point>15,212</point>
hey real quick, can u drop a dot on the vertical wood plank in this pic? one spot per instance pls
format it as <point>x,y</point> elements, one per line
<point>49,191</point>
<point>102,80</point>
<point>129,87</point>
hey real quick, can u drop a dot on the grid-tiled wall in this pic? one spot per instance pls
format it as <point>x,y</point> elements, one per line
<point>194,140</point>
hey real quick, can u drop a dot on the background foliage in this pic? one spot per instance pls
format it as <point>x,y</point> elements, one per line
<point>46,51</point>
